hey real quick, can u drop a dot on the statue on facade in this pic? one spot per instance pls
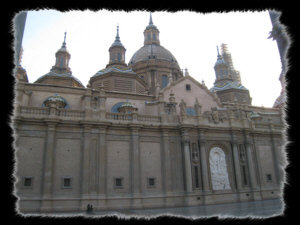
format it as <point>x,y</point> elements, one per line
<point>195,155</point>
<point>197,107</point>
<point>182,106</point>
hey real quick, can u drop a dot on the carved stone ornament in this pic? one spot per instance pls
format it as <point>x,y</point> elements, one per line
<point>195,155</point>
<point>215,115</point>
<point>218,169</point>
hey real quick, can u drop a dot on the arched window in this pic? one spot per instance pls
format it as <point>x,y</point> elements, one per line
<point>149,37</point>
<point>218,169</point>
<point>221,73</point>
<point>164,81</point>
<point>119,57</point>
<point>154,37</point>
<point>62,61</point>
<point>116,106</point>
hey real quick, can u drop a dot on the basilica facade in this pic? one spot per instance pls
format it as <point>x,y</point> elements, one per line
<point>142,135</point>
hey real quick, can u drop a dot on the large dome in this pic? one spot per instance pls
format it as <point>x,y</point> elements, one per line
<point>152,51</point>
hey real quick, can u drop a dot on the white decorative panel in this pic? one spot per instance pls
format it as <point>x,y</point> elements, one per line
<point>218,169</point>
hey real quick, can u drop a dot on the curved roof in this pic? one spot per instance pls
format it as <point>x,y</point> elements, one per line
<point>52,73</point>
<point>224,85</point>
<point>152,51</point>
<point>119,69</point>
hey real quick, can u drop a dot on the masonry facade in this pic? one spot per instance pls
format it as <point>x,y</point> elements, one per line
<point>142,135</point>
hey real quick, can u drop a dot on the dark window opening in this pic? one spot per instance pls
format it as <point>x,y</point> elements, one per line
<point>188,87</point>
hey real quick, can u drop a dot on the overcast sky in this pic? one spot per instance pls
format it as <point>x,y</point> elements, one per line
<point>191,37</point>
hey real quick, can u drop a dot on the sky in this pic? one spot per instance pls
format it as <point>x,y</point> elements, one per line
<point>192,37</point>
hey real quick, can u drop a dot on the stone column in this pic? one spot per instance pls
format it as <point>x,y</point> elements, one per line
<point>251,168</point>
<point>85,185</point>
<point>236,162</point>
<point>135,168</point>
<point>86,159</point>
<point>203,163</point>
<point>102,161</point>
<point>187,161</point>
<point>102,171</point>
<point>102,99</point>
<point>167,173</point>
<point>48,179</point>
<point>276,163</point>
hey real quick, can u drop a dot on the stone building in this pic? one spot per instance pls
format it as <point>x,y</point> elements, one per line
<point>142,135</point>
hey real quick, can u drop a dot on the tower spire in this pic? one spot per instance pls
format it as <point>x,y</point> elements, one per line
<point>150,22</point>
<point>64,43</point>
<point>117,37</point>
<point>219,56</point>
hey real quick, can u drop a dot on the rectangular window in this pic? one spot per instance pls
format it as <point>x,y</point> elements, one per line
<point>119,57</point>
<point>244,175</point>
<point>118,182</point>
<point>154,37</point>
<point>66,182</point>
<point>164,81</point>
<point>188,87</point>
<point>113,57</point>
<point>151,182</point>
<point>269,177</point>
<point>196,177</point>
<point>27,182</point>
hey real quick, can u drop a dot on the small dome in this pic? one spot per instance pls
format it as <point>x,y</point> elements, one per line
<point>62,103</point>
<point>152,51</point>
<point>118,69</point>
<point>220,62</point>
<point>226,84</point>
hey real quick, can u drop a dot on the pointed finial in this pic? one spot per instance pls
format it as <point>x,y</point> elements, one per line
<point>64,43</point>
<point>117,37</point>
<point>150,19</point>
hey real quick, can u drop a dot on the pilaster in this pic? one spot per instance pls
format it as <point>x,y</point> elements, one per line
<point>203,163</point>
<point>236,162</point>
<point>187,160</point>
<point>135,168</point>
<point>48,179</point>
<point>251,168</point>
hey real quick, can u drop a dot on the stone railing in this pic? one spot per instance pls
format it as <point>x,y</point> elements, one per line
<point>45,111</point>
<point>149,119</point>
<point>130,117</point>
<point>268,126</point>
<point>34,110</point>
<point>261,126</point>
<point>118,116</point>
<point>69,113</point>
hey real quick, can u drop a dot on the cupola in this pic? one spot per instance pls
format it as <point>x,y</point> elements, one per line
<point>62,58</point>
<point>117,52</point>
<point>151,34</point>
<point>221,69</point>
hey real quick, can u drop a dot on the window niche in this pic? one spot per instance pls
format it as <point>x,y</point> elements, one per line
<point>151,182</point>
<point>27,182</point>
<point>118,182</point>
<point>269,177</point>
<point>66,182</point>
